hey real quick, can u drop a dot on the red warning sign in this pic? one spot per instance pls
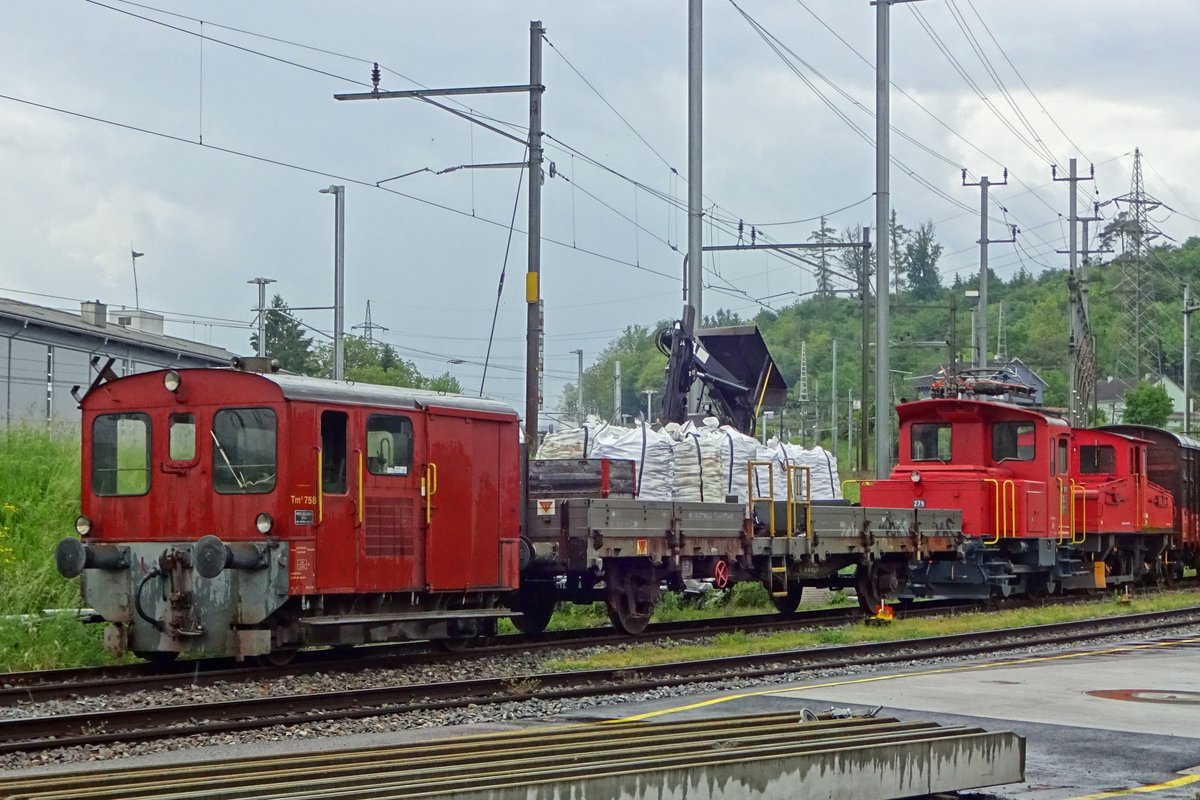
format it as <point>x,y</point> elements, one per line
<point>545,508</point>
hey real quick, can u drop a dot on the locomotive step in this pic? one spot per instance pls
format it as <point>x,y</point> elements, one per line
<point>466,613</point>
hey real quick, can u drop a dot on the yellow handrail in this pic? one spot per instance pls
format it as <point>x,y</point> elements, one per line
<point>320,487</point>
<point>1081,490</point>
<point>429,489</point>
<point>360,486</point>
<point>793,470</point>
<point>1139,499</point>
<point>1066,527</point>
<point>999,502</point>
<point>1006,502</point>
<point>861,483</point>
<point>752,498</point>
<point>1010,510</point>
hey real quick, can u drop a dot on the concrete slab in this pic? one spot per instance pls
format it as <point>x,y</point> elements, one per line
<point>1078,744</point>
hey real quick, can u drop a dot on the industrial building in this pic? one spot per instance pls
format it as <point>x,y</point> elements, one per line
<point>45,352</point>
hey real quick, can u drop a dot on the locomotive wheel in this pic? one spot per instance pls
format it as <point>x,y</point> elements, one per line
<point>1039,585</point>
<point>787,604</point>
<point>624,617</point>
<point>867,589</point>
<point>485,629</point>
<point>158,658</point>
<point>278,658</point>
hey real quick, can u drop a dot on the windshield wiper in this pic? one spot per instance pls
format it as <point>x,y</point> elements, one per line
<point>241,482</point>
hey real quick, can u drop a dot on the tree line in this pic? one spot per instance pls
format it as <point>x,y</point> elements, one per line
<point>291,342</point>
<point>924,310</point>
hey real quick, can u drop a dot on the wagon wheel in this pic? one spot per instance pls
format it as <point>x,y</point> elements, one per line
<point>278,658</point>
<point>623,614</point>
<point>535,616</point>
<point>787,604</point>
<point>631,595</point>
<point>870,598</point>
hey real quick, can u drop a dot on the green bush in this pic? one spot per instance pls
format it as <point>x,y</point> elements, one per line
<point>838,597</point>
<point>749,594</point>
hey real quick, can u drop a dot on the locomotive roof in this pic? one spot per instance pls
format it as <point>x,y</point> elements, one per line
<point>321,390</point>
<point>1149,433</point>
<point>990,409</point>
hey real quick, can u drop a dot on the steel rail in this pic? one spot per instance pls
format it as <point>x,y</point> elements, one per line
<point>24,687</point>
<point>92,728</point>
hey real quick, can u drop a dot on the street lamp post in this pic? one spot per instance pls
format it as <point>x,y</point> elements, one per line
<point>339,278</point>
<point>649,404</point>
<point>134,255</point>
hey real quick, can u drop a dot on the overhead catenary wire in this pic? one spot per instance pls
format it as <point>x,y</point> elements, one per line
<point>661,195</point>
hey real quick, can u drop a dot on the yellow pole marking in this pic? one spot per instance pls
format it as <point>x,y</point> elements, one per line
<point>1149,789</point>
<point>893,676</point>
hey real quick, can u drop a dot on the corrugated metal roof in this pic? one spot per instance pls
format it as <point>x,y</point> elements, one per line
<point>65,320</point>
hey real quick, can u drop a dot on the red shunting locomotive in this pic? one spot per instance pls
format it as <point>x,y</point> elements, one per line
<point>1045,507</point>
<point>223,511</point>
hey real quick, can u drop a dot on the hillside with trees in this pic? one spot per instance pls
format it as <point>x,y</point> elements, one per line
<point>1035,314</point>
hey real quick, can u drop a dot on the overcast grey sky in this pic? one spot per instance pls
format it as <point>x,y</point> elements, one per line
<point>1111,75</point>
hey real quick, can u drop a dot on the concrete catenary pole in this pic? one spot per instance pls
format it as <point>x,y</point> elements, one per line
<point>833,412</point>
<point>1188,309</point>
<point>339,279</point>
<point>533,289</point>
<point>981,329</point>
<point>695,253</point>
<point>883,367</point>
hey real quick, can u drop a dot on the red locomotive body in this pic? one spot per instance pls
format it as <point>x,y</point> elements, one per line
<point>1001,464</point>
<point>1113,493</point>
<point>1044,506</point>
<point>316,512</point>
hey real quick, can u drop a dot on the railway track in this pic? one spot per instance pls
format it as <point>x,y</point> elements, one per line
<point>132,725</point>
<point>20,687</point>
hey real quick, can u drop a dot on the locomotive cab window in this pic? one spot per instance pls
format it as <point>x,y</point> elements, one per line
<point>389,444</point>
<point>333,452</point>
<point>1013,441</point>
<point>1097,459</point>
<point>121,454</point>
<point>182,436</point>
<point>930,442</point>
<point>244,450</point>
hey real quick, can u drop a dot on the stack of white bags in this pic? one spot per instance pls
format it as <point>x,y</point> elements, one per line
<point>705,463</point>
<point>822,466</point>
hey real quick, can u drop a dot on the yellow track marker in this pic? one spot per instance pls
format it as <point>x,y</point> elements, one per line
<point>1148,789</point>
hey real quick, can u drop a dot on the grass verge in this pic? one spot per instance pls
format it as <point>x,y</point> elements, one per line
<point>741,643</point>
<point>39,500</point>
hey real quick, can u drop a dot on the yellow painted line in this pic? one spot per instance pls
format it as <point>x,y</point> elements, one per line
<point>1149,789</point>
<point>893,676</point>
